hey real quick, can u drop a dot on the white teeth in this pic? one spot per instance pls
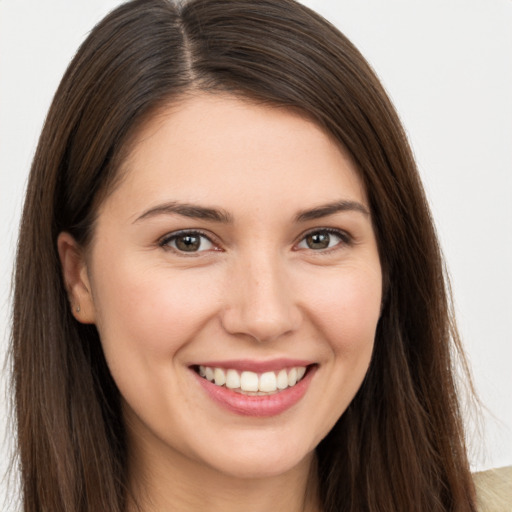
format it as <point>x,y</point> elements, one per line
<point>232,379</point>
<point>268,382</point>
<point>219,376</point>
<point>292,377</point>
<point>251,382</point>
<point>282,380</point>
<point>209,373</point>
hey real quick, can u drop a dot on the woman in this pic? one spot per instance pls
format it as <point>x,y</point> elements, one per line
<point>229,292</point>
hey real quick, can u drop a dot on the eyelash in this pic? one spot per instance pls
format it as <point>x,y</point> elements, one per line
<point>344,237</point>
<point>167,239</point>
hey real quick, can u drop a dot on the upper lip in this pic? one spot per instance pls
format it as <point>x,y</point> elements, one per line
<point>256,366</point>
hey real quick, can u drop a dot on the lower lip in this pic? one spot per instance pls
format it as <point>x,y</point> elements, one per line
<point>259,406</point>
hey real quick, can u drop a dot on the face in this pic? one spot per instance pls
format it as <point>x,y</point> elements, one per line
<point>235,283</point>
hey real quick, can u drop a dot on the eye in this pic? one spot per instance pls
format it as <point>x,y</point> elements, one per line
<point>323,239</point>
<point>187,241</point>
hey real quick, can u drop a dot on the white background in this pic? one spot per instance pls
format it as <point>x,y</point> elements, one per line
<point>447,65</point>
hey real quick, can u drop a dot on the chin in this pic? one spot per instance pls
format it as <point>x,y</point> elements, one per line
<point>261,461</point>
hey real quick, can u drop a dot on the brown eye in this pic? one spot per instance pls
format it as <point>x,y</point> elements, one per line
<point>322,239</point>
<point>188,242</point>
<point>318,240</point>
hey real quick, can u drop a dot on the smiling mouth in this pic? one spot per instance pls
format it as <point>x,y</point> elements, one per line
<point>252,383</point>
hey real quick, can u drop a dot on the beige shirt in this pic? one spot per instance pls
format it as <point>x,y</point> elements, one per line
<point>494,490</point>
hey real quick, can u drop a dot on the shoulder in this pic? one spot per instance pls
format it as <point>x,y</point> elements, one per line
<point>494,490</point>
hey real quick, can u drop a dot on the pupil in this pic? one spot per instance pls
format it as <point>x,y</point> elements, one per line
<point>318,240</point>
<point>188,243</point>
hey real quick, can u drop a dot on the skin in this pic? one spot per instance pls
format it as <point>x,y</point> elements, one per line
<point>254,290</point>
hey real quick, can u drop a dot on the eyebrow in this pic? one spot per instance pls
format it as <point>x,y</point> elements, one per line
<point>330,209</point>
<point>219,215</point>
<point>187,210</point>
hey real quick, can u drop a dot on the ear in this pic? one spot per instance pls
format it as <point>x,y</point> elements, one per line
<point>76,278</point>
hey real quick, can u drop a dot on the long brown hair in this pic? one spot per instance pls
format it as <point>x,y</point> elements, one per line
<point>400,444</point>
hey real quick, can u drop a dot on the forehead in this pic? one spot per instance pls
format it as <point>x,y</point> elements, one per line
<point>216,146</point>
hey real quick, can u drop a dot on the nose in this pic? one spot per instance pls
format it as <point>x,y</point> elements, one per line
<point>259,301</point>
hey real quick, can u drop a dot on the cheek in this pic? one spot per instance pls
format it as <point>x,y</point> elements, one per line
<point>145,314</point>
<point>346,308</point>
